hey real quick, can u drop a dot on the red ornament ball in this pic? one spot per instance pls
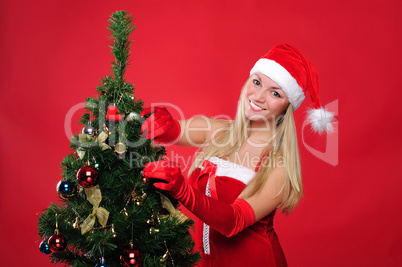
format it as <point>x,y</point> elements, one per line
<point>57,243</point>
<point>131,258</point>
<point>87,176</point>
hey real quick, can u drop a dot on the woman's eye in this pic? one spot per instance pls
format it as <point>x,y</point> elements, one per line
<point>256,82</point>
<point>276,94</point>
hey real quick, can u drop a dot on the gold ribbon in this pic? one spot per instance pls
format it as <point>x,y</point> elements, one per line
<point>173,212</point>
<point>102,138</point>
<point>84,138</point>
<point>94,196</point>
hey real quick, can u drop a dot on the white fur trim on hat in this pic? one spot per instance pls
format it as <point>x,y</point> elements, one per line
<point>283,78</point>
<point>321,120</point>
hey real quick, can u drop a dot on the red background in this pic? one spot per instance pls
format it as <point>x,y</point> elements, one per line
<point>197,55</point>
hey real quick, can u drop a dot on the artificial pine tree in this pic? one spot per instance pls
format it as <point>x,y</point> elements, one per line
<point>108,216</point>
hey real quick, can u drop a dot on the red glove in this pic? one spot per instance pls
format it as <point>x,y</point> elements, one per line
<point>228,219</point>
<point>161,125</point>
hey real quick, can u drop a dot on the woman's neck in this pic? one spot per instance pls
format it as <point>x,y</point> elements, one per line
<point>261,132</point>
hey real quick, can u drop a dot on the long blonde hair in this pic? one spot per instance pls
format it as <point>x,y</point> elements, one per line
<point>283,145</point>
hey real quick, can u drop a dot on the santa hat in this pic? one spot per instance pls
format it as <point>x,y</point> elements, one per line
<point>286,66</point>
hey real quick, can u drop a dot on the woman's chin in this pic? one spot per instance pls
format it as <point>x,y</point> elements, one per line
<point>256,117</point>
<point>259,121</point>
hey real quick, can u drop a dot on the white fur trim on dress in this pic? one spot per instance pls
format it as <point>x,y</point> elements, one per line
<point>321,120</point>
<point>232,170</point>
<point>283,78</point>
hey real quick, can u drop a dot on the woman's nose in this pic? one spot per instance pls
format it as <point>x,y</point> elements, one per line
<point>259,96</point>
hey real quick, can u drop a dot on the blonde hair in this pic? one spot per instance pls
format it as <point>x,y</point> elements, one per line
<point>283,144</point>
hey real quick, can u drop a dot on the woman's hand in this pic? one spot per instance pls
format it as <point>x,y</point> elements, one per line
<point>160,125</point>
<point>228,219</point>
<point>170,173</point>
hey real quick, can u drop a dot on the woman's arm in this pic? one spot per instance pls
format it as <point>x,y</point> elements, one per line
<point>270,196</point>
<point>163,128</point>
<point>199,131</point>
<point>228,219</point>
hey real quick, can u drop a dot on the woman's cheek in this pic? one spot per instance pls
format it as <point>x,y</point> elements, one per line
<point>278,106</point>
<point>249,90</point>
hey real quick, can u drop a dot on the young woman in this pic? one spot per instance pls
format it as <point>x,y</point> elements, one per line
<point>249,167</point>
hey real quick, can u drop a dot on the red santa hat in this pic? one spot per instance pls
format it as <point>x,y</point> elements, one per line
<point>286,66</point>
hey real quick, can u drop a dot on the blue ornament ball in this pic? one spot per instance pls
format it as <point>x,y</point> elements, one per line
<point>66,189</point>
<point>44,247</point>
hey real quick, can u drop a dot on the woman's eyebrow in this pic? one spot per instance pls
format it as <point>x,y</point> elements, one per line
<point>273,87</point>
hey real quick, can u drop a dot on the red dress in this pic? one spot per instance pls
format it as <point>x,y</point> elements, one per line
<point>255,246</point>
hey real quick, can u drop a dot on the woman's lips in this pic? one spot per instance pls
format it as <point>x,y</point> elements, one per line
<point>255,107</point>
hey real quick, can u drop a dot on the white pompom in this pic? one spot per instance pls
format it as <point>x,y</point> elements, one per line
<point>321,120</point>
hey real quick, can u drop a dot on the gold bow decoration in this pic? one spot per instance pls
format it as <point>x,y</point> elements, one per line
<point>94,196</point>
<point>173,212</point>
<point>101,139</point>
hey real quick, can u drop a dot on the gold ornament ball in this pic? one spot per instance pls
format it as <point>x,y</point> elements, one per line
<point>120,148</point>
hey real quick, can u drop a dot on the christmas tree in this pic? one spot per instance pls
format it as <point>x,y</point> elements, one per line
<point>107,215</point>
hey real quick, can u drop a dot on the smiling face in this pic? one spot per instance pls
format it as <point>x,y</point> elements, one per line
<point>264,99</point>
